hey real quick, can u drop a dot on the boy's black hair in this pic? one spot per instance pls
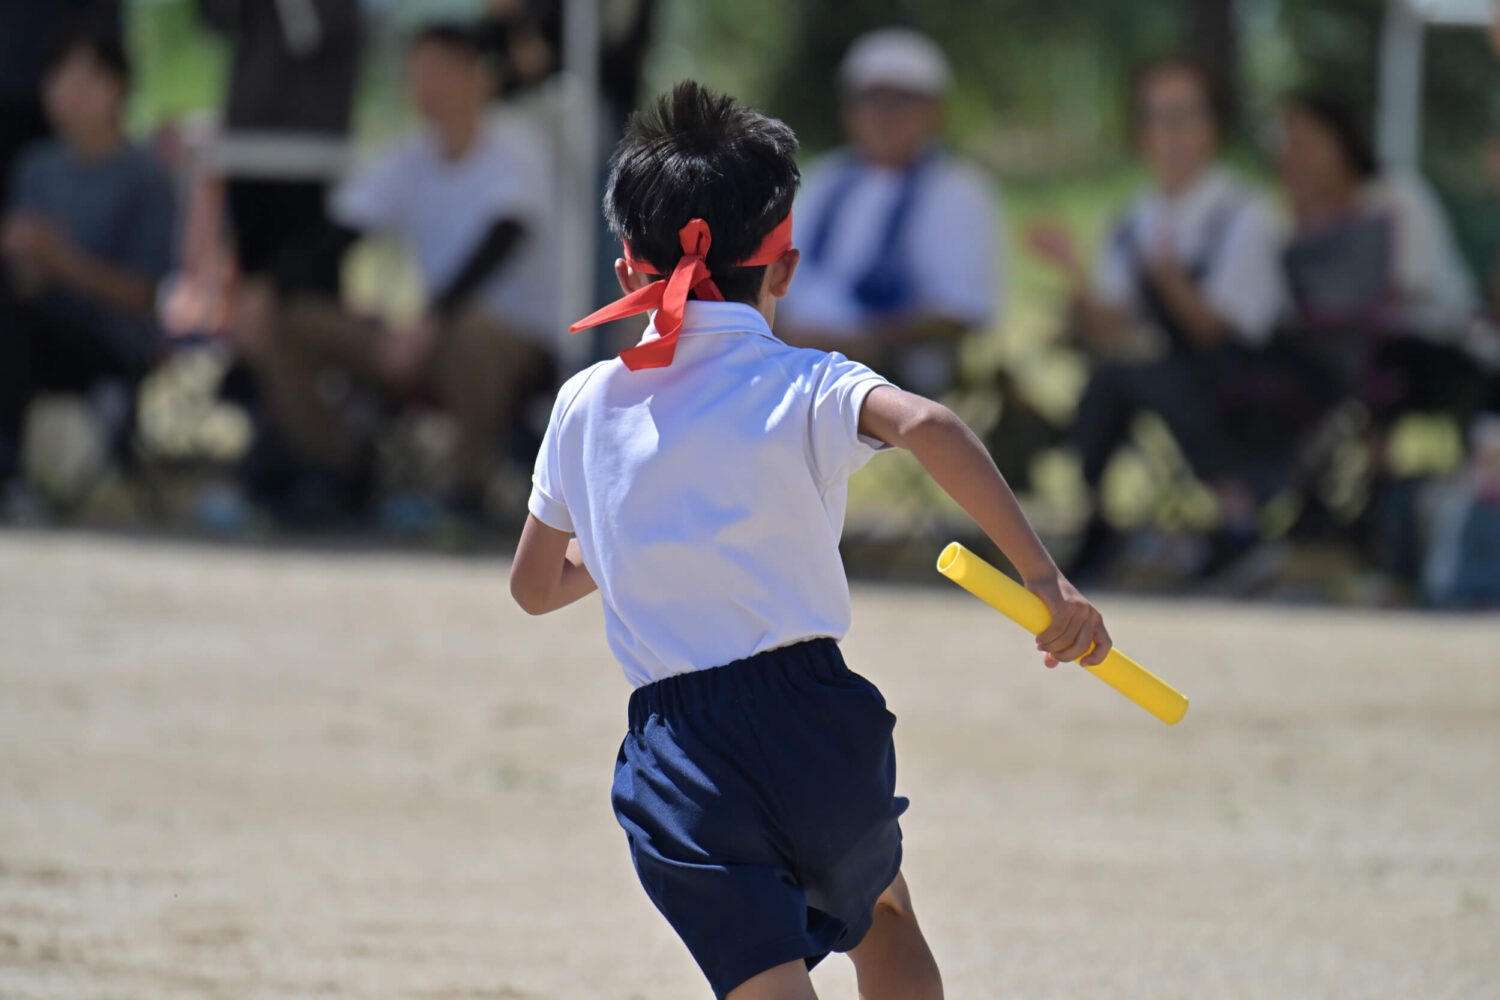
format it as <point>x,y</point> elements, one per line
<point>1210,84</point>
<point>103,50</point>
<point>454,36</point>
<point>697,154</point>
<point>1337,115</point>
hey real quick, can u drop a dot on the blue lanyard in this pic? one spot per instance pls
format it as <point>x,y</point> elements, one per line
<point>886,285</point>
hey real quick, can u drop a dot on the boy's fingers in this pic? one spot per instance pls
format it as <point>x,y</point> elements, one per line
<point>1102,646</point>
<point>1050,661</point>
<point>1077,648</point>
<point>1067,635</point>
<point>1052,632</point>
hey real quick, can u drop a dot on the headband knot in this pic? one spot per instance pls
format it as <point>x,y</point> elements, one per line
<point>669,298</point>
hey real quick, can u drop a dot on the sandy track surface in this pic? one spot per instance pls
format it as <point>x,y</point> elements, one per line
<point>226,774</point>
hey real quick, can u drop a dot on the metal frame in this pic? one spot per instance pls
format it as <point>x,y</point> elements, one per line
<point>1399,107</point>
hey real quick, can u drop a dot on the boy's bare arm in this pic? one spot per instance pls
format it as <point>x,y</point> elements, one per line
<point>548,572</point>
<point>956,460</point>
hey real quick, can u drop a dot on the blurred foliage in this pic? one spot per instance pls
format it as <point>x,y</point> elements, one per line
<point>1334,45</point>
<point>1040,83</point>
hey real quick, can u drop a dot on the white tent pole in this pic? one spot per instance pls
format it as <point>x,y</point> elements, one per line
<point>1399,127</point>
<point>579,189</point>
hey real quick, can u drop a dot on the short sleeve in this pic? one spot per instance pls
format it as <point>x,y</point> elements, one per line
<point>547,504</point>
<point>371,197</point>
<point>1245,287</point>
<point>959,265</point>
<point>839,388</point>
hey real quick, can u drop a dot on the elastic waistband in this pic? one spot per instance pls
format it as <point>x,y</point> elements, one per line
<point>737,681</point>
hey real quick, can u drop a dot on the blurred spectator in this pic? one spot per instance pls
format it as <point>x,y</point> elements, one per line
<point>472,197</point>
<point>527,38</point>
<point>1187,286</point>
<point>29,29</point>
<point>286,127</point>
<point>899,257</point>
<point>284,141</point>
<point>86,238</point>
<point>1380,294</point>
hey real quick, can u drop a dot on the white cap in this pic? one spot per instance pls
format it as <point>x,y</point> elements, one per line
<point>898,58</point>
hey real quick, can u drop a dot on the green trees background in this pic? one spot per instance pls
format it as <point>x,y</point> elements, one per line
<point>1040,81</point>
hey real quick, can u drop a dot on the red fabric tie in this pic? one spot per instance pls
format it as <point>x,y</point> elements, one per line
<point>669,298</point>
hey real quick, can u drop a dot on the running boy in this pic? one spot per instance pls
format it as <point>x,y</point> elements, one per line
<point>702,477</point>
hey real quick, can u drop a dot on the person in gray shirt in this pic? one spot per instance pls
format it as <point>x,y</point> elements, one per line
<point>85,239</point>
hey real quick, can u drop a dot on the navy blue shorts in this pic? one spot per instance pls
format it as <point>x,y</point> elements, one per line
<point>759,802</point>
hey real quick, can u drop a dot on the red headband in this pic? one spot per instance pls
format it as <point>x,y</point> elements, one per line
<point>670,297</point>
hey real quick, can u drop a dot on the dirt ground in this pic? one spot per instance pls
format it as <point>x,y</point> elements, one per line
<point>237,774</point>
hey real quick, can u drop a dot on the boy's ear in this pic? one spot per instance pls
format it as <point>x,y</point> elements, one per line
<point>779,272</point>
<point>630,279</point>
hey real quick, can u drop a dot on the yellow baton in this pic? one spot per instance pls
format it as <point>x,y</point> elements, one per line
<point>1027,610</point>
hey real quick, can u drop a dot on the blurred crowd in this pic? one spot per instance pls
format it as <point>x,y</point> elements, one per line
<point>1267,330</point>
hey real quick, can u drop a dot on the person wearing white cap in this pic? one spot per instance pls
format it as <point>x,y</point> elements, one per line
<point>899,256</point>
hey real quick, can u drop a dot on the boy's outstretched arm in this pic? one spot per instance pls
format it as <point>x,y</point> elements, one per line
<point>548,572</point>
<point>955,459</point>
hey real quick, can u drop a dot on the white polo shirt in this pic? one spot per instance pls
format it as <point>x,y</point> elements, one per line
<point>1244,283</point>
<point>443,208</point>
<point>708,496</point>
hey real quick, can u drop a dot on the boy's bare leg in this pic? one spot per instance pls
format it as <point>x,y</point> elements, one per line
<point>787,981</point>
<point>893,961</point>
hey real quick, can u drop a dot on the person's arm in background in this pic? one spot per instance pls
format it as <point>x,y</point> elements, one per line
<point>494,251</point>
<point>47,257</point>
<point>1195,315</point>
<point>1244,293</point>
<point>959,463</point>
<point>1095,301</point>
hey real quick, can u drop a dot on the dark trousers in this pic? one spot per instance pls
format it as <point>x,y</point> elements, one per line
<point>271,217</point>
<point>41,351</point>
<point>1178,388</point>
<point>1410,375</point>
<point>480,372</point>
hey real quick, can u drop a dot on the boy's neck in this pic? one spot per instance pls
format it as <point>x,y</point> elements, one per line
<point>767,308</point>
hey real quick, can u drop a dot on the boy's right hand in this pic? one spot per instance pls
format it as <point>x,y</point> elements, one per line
<point>1077,631</point>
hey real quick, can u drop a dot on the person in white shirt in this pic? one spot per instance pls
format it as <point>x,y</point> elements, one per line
<point>471,194</point>
<point>1186,285</point>
<point>899,252</point>
<point>698,482</point>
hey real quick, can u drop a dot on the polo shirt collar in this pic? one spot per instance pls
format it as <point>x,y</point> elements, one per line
<point>703,318</point>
